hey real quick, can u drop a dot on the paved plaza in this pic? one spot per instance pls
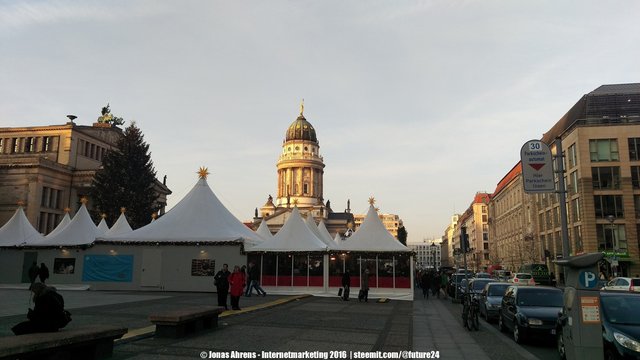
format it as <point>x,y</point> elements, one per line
<point>271,323</point>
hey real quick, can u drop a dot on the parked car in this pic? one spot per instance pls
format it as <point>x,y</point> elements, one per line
<point>623,284</point>
<point>540,273</point>
<point>502,275</point>
<point>530,311</point>
<point>476,285</point>
<point>454,282</point>
<point>483,275</point>
<point>522,279</point>
<point>620,326</point>
<point>490,299</point>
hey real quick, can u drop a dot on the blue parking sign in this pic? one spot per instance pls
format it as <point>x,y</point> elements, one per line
<point>588,279</point>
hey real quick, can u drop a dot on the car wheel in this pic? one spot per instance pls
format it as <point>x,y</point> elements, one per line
<point>610,355</point>
<point>560,346</point>
<point>501,324</point>
<point>517,336</point>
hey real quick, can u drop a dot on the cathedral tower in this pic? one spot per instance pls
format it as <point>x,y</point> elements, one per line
<point>300,167</point>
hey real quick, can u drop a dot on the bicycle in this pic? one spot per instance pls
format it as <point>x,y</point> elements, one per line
<point>470,311</point>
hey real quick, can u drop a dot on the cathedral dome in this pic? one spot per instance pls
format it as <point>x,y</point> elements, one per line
<point>301,129</point>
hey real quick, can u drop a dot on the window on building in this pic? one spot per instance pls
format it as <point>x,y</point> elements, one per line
<point>305,188</point>
<point>574,182</point>
<point>575,209</point>
<point>577,239</point>
<point>635,177</point>
<point>606,205</point>
<point>611,237</point>
<point>634,149</point>
<point>606,177</point>
<point>1,146</point>
<point>29,144</point>
<point>603,150</point>
<point>46,143</point>
<point>16,145</point>
<point>572,157</point>
<point>636,203</point>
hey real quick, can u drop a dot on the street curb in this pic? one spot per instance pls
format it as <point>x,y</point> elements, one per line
<point>141,333</point>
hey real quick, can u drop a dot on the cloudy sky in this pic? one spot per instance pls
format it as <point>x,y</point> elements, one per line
<point>420,104</point>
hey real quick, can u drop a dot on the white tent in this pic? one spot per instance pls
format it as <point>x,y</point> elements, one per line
<point>102,227</point>
<point>337,240</point>
<point>198,218</point>
<point>263,230</point>
<point>80,231</point>
<point>314,229</point>
<point>120,227</point>
<point>18,230</point>
<point>324,232</point>
<point>65,221</point>
<point>295,235</point>
<point>372,236</point>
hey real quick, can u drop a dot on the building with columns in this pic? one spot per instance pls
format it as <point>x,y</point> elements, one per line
<point>300,170</point>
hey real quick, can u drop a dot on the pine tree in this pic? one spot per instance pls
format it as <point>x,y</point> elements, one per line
<point>402,235</point>
<point>126,180</point>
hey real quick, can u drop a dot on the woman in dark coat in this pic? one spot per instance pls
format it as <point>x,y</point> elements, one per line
<point>43,273</point>
<point>48,313</point>
<point>222,285</point>
<point>237,281</point>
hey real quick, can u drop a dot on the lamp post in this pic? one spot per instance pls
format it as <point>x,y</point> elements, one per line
<point>614,259</point>
<point>433,255</point>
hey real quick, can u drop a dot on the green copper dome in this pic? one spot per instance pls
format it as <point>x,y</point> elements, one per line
<point>301,129</point>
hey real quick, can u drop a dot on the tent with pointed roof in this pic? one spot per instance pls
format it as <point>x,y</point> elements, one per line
<point>372,236</point>
<point>120,227</point>
<point>199,218</point>
<point>295,235</point>
<point>18,230</point>
<point>64,222</point>
<point>81,231</point>
<point>102,227</point>
<point>314,229</point>
<point>263,231</point>
<point>324,232</point>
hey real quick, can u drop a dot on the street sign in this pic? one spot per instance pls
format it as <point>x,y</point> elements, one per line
<point>537,167</point>
<point>587,279</point>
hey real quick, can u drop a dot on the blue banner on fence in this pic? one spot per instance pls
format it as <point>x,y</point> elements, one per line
<point>118,268</point>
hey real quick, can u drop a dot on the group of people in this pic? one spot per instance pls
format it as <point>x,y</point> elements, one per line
<point>363,295</point>
<point>41,272</point>
<point>432,281</point>
<point>234,284</point>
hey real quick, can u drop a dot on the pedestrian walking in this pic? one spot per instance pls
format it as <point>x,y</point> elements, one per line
<point>346,285</point>
<point>254,281</point>
<point>364,290</point>
<point>221,281</point>
<point>237,281</point>
<point>435,285</point>
<point>425,284</point>
<point>444,281</point>
<point>43,273</point>
<point>33,272</point>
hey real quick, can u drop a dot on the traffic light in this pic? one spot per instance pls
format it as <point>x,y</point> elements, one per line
<point>464,239</point>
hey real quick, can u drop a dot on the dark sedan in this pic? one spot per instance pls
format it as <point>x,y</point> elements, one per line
<point>530,311</point>
<point>491,298</point>
<point>621,325</point>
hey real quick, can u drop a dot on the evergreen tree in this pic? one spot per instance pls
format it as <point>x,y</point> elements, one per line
<point>402,235</point>
<point>126,180</point>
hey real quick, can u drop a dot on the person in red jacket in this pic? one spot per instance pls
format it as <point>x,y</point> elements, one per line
<point>237,281</point>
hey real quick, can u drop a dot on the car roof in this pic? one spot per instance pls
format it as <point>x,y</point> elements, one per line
<point>612,293</point>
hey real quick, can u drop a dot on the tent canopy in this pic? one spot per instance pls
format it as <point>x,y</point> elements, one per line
<point>19,231</point>
<point>372,236</point>
<point>295,235</point>
<point>80,231</point>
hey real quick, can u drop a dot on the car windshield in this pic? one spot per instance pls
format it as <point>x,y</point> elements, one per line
<point>478,285</point>
<point>498,289</point>
<point>621,309</point>
<point>540,298</point>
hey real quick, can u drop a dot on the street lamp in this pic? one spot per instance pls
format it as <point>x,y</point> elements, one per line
<point>614,262</point>
<point>433,255</point>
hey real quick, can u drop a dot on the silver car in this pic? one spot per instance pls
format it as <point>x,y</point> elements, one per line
<point>490,299</point>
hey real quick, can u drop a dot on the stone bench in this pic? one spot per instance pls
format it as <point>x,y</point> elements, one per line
<point>178,323</point>
<point>91,342</point>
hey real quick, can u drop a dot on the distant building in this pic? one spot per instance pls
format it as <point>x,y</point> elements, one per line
<point>428,253</point>
<point>51,168</point>
<point>449,243</point>
<point>300,183</point>
<point>475,219</point>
